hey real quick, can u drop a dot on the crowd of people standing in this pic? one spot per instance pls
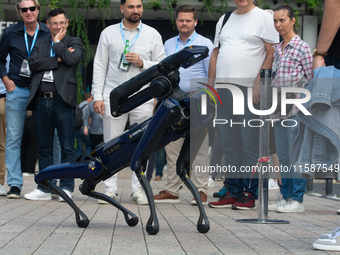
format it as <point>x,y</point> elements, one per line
<point>41,77</point>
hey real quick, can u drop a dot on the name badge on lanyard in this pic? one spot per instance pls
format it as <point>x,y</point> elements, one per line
<point>25,68</point>
<point>48,75</point>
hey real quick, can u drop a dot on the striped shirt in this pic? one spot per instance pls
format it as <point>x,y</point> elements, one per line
<point>289,67</point>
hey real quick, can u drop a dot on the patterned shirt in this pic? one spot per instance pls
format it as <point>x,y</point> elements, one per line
<point>290,67</point>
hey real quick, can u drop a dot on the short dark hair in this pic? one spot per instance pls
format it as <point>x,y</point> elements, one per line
<point>87,95</point>
<point>56,12</point>
<point>187,8</point>
<point>124,1</point>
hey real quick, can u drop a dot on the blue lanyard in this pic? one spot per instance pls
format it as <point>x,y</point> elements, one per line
<point>52,53</point>
<point>187,44</point>
<point>34,39</point>
<point>123,36</point>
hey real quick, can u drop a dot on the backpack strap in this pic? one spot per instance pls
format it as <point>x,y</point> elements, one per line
<point>226,17</point>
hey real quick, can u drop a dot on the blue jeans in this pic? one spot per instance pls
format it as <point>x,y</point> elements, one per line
<point>158,160</point>
<point>293,186</point>
<point>332,61</point>
<point>16,102</point>
<point>240,144</point>
<point>51,114</point>
<point>56,149</point>
<point>81,140</point>
<point>161,160</point>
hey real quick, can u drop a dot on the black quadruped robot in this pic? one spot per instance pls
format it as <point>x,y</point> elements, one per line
<point>178,115</point>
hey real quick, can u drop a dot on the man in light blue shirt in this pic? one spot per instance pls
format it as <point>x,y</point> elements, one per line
<point>186,21</point>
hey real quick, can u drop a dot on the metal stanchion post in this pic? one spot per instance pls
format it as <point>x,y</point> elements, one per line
<point>329,182</point>
<point>310,184</point>
<point>262,203</point>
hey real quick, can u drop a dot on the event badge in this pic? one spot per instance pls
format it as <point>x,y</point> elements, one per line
<point>48,76</point>
<point>121,65</point>
<point>25,69</point>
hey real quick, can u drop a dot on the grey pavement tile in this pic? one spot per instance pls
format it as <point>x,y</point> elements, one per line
<point>49,227</point>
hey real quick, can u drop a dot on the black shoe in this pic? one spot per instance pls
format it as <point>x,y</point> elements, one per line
<point>222,192</point>
<point>245,202</point>
<point>14,192</point>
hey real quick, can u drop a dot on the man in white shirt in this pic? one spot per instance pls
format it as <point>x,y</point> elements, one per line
<point>243,46</point>
<point>146,49</point>
<point>186,21</point>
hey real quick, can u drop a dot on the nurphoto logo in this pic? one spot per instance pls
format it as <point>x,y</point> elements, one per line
<point>204,97</point>
<point>239,99</point>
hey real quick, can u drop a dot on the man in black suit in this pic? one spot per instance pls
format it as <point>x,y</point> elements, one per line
<point>52,98</point>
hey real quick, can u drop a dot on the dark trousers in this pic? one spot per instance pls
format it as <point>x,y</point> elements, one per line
<point>95,140</point>
<point>29,147</point>
<point>48,115</point>
<point>240,143</point>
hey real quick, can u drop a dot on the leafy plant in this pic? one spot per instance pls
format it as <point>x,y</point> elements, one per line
<point>154,5</point>
<point>173,3</point>
<point>266,6</point>
<point>169,7</point>
<point>299,2</point>
<point>208,5</point>
<point>297,18</point>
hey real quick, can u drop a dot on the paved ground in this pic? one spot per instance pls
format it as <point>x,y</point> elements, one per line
<point>38,227</point>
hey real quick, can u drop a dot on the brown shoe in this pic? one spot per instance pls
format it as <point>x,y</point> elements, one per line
<point>158,178</point>
<point>204,199</point>
<point>165,197</point>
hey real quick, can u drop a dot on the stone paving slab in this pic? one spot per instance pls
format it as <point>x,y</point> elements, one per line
<point>49,227</point>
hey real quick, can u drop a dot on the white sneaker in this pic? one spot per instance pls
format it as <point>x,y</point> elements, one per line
<point>272,184</point>
<point>291,206</point>
<point>334,233</point>
<point>139,197</point>
<point>37,194</point>
<point>2,191</point>
<point>109,194</point>
<point>328,242</point>
<point>68,193</point>
<point>211,182</point>
<point>274,206</point>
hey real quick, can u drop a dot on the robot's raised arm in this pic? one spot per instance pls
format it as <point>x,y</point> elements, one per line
<point>121,95</point>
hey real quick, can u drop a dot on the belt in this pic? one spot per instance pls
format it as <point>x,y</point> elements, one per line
<point>3,95</point>
<point>48,95</point>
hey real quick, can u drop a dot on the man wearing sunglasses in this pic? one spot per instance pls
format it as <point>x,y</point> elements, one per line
<point>18,40</point>
<point>53,96</point>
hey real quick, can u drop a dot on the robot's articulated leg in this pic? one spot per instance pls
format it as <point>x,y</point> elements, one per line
<point>183,170</point>
<point>87,188</point>
<point>152,230</point>
<point>82,223</point>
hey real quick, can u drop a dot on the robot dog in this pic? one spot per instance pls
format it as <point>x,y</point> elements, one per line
<point>177,115</point>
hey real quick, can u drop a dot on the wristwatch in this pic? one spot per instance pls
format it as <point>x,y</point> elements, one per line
<point>315,53</point>
<point>57,41</point>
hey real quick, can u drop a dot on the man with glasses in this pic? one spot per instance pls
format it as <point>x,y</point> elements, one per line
<point>18,41</point>
<point>53,95</point>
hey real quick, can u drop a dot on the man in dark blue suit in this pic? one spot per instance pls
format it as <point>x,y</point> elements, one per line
<point>52,98</point>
